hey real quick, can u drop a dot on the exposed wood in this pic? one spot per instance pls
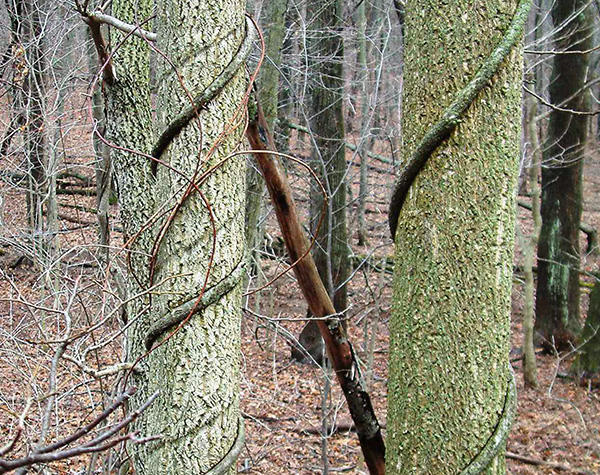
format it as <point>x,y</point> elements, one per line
<point>338,347</point>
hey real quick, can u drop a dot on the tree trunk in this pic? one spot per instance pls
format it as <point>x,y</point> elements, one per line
<point>273,24</point>
<point>26,19</point>
<point>587,363</point>
<point>326,55</point>
<point>532,146</point>
<point>449,385</point>
<point>365,140</point>
<point>557,301</point>
<point>530,244</point>
<point>197,369</point>
<point>102,164</point>
<point>268,79</point>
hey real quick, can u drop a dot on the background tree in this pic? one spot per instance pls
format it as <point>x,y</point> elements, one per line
<point>557,302</point>
<point>272,21</point>
<point>29,91</point>
<point>328,157</point>
<point>532,156</point>
<point>449,384</point>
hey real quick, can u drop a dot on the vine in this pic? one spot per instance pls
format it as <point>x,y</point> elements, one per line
<point>453,114</point>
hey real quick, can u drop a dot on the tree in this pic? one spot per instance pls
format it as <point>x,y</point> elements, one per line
<point>29,91</point>
<point>532,150</point>
<point>451,398</point>
<point>587,362</point>
<point>273,25</point>
<point>328,151</point>
<point>557,301</point>
<point>181,203</point>
<point>328,157</point>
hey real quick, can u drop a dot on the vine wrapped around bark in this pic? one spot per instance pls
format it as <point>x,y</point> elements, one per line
<point>451,117</point>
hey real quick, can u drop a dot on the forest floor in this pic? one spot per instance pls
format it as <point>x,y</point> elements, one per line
<point>557,424</point>
<point>282,401</point>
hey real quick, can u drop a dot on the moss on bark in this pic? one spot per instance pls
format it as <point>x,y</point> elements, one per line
<point>454,244</point>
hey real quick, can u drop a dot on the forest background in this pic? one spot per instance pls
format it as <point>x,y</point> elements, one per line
<point>64,294</point>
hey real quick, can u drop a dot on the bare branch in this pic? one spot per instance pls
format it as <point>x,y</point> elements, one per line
<point>104,441</point>
<point>556,108</point>
<point>122,26</point>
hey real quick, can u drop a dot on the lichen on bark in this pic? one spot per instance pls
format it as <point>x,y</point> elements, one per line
<point>197,370</point>
<point>454,244</point>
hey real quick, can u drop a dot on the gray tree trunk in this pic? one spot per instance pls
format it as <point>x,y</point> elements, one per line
<point>365,143</point>
<point>197,369</point>
<point>102,166</point>
<point>29,86</point>
<point>326,56</point>
<point>534,152</point>
<point>273,24</point>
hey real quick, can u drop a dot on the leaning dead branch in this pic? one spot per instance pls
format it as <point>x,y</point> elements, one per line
<point>339,349</point>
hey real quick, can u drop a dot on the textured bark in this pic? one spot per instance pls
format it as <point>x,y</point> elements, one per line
<point>449,331</point>
<point>587,363</point>
<point>557,301</point>
<point>197,370</point>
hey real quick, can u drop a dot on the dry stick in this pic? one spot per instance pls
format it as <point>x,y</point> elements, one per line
<point>538,462</point>
<point>338,347</point>
<point>100,443</point>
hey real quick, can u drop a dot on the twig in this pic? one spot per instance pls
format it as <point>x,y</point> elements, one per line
<point>348,145</point>
<point>539,462</point>
<point>121,25</point>
<point>557,108</point>
<point>96,374</point>
<point>104,441</point>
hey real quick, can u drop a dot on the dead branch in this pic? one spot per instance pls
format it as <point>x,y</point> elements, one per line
<point>539,462</point>
<point>106,440</point>
<point>339,349</point>
<point>135,30</point>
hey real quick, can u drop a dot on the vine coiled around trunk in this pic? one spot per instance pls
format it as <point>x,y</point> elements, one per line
<point>433,138</point>
<point>498,438</point>
<point>202,99</point>
<point>453,114</point>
